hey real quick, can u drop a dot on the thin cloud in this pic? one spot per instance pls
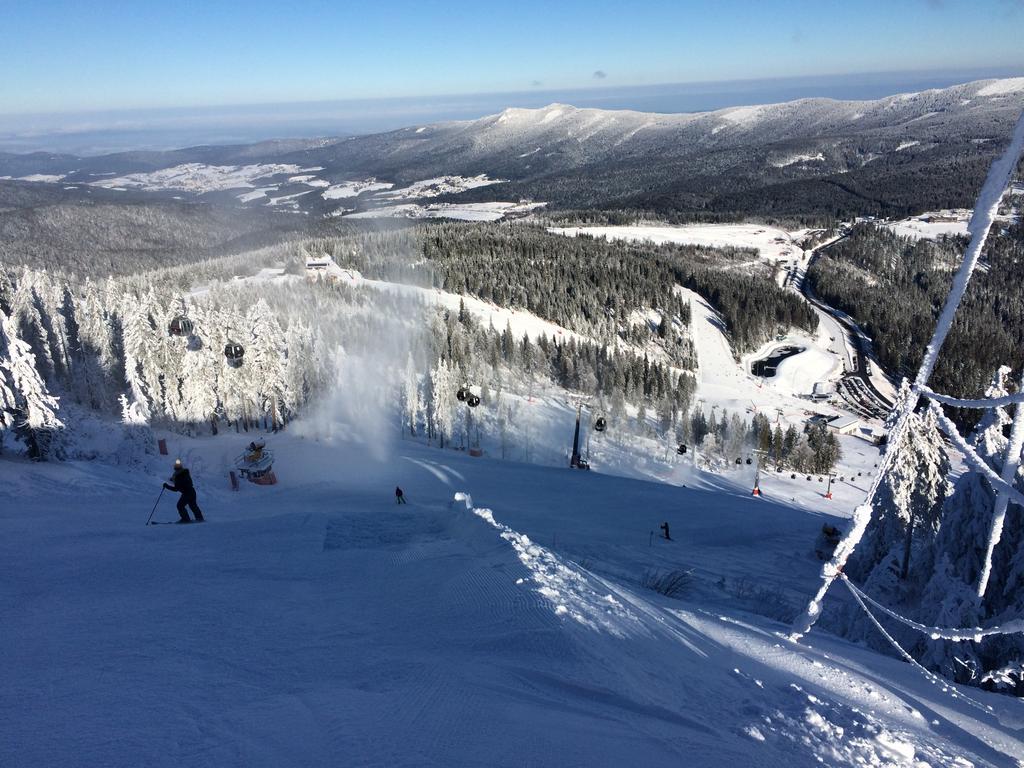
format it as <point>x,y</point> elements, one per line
<point>536,83</point>
<point>600,74</point>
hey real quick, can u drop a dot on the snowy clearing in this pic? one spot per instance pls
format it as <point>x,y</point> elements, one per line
<point>1003,87</point>
<point>932,225</point>
<point>794,159</point>
<point>199,178</point>
<point>441,185</point>
<point>46,178</point>
<point>771,243</point>
<point>464,211</point>
<point>354,188</point>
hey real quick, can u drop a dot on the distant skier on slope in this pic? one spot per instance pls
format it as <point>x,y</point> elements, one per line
<point>182,483</point>
<point>399,496</point>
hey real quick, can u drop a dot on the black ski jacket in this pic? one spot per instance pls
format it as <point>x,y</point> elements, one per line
<point>182,482</point>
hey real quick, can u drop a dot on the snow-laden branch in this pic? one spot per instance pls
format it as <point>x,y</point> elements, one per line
<point>944,633</point>
<point>985,402</point>
<point>985,209</point>
<point>977,463</point>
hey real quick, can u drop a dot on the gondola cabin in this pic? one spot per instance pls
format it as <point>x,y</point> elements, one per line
<point>180,326</point>
<point>600,425</point>
<point>234,353</point>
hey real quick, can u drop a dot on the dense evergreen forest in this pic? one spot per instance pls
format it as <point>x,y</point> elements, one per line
<point>895,288</point>
<point>588,285</point>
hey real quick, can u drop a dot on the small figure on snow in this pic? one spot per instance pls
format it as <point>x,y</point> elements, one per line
<point>182,483</point>
<point>664,528</point>
<point>399,496</point>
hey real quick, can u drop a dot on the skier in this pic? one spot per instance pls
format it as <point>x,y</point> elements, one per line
<point>399,496</point>
<point>182,483</point>
<point>664,528</point>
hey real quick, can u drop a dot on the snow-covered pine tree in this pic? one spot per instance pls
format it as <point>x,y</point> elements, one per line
<point>8,403</point>
<point>137,333</point>
<point>443,387</point>
<point>410,396</point>
<point>35,419</point>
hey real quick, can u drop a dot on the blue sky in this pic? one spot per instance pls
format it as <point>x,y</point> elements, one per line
<point>108,54</point>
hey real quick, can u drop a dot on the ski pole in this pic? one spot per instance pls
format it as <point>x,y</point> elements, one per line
<point>154,506</point>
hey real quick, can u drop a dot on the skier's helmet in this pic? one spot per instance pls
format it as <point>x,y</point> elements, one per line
<point>177,464</point>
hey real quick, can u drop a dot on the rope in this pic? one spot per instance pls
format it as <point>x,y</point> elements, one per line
<point>988,402</point>
<point>977,463</point>
<point>985,209</point>
<point>942,683</point>
<point>971,633</point>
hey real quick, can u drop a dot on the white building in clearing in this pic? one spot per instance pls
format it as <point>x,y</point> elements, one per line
<point>844,426</point>
<point>326,268</point>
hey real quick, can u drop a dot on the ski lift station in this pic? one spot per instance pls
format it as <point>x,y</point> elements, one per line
<point>845,425</point>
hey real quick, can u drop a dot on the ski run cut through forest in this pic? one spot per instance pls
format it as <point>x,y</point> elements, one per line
<point>510,483</point>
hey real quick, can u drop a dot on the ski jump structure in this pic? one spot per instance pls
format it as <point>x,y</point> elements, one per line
<point>985,209</point>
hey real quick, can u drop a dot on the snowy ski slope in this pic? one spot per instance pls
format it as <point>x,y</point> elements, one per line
<point>317,623</point>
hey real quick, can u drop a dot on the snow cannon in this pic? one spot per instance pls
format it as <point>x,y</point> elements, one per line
<point>256,464</point>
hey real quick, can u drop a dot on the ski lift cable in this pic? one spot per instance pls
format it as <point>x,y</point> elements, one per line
<point>1014,627</point>
<point>985,209</point>
<point>944,685</point>
<point>988,402</point>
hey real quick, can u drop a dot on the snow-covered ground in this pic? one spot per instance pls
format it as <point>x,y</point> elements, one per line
<point>798,159</point>
<point>354,188</point>
<point>317,623</point>
<point>772,243</point>
<point>933,224</point>
<point>465,211</point>
<point>199,178</point>
<point>442,185</point>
